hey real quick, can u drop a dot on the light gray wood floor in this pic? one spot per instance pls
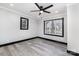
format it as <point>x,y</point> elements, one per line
<point>35,47</point>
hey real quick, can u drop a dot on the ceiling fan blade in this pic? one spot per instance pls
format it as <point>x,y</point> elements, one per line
<point>37,5</point>
<point>35,10</point>
<point>47,7</point>
<point>46,11</point>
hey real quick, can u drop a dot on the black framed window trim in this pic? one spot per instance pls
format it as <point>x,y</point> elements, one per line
<point>24,22</point>
<point>62,27</point>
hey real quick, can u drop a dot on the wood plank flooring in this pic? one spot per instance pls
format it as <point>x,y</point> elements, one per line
<point>35,47</point>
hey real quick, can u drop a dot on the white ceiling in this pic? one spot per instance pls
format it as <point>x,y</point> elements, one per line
<point>27,7</point>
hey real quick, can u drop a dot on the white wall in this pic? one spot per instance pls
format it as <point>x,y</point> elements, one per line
<point>10,27</point>
<point>49,17</point>
<point>73,27</point>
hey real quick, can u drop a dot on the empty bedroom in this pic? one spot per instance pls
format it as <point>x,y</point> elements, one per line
<point>39,29</point>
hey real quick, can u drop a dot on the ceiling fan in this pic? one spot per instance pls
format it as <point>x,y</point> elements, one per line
<point>42,9</point>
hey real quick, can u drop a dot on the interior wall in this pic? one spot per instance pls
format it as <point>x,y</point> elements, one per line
<point>73,27</point>
<point>10,27</point>
<point>49,17</point>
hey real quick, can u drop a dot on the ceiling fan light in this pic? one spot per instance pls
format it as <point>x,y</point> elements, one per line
<point>41,11</point>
